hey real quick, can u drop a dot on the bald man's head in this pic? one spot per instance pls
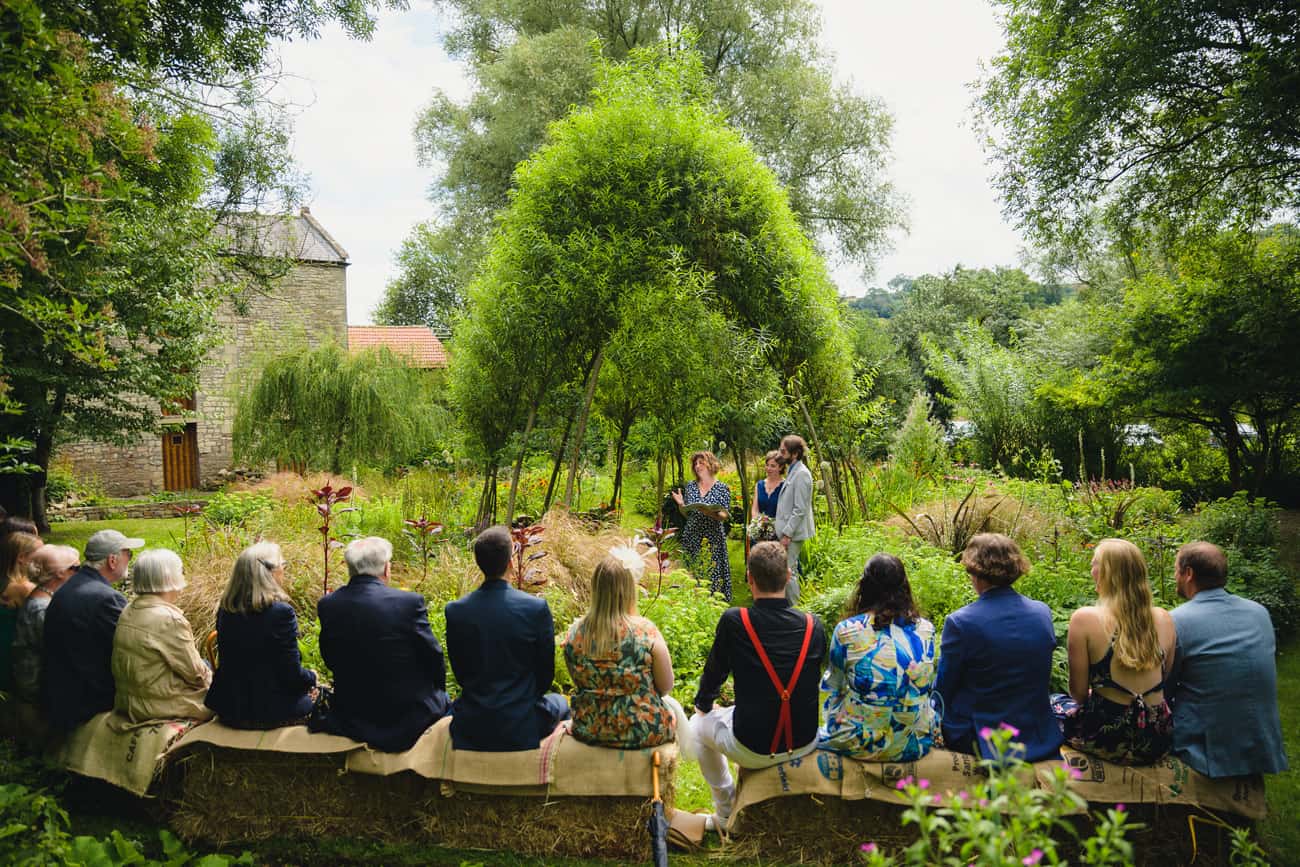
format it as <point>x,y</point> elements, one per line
<point>53,563</point>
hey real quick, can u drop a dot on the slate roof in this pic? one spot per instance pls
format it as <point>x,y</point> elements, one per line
<point>299,237</point>
<point>416,342</point>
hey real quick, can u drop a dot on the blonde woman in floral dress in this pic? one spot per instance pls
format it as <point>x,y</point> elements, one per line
<point>621,669</point>
<point>877,687</point>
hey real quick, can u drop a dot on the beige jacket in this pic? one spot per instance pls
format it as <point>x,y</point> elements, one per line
<point>157,671</point>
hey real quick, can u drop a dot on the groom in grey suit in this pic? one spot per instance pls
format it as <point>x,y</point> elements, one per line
<point>794,511</point>
<point>1223,684</point>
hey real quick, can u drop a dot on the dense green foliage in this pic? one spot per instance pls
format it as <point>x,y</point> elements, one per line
<point>1157,111</point>
<point>323,408</point>
<point>532,61</point>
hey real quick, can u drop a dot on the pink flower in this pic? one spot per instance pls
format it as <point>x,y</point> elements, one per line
<point>983,802</point>
<point>1076,774</point>
<point>924,784</point>
<point>1119,808</point>
<point>986,733</point>
<point>868,847</point>
<point>962,795</point>
<point>903,783</point>
<point>1015,732</point>
<point>1032,858</point>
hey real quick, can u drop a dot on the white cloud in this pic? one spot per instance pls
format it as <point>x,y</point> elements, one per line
<point>360,101</point>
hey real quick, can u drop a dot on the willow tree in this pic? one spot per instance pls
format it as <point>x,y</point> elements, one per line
<point>320,407</point>
<point>645,190</point>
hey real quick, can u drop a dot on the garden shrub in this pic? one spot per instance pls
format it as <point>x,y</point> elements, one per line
<point>1237,522</point>
<point>687,617</point>
<point>1261,579</point>
<point>237,509</point>
<point>919,445</point>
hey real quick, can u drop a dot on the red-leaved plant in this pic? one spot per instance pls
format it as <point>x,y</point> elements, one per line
<point>658,538</point>
<point>523,539</point>
<point>327,499</point>
<point>421,534</point>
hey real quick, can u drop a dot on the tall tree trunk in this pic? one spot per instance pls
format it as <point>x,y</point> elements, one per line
<point>680,479</point>
<point>592,375</point>
<point>620,451</point>
<point>812,435</point>
<point>1232,448</point>
<point>744,484</point>
<point>42,452</point>
<point>519,464</point>
<point>559,461</point>
<point>857,485</point>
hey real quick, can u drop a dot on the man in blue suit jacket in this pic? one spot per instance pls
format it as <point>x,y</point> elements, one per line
<point>995,662</point>
<point>1223,685</point>
<point>79,627</point>
<point>502,647</point>
<point>390,678</point>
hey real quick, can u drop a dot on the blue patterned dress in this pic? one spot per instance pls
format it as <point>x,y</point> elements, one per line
<point>876,691</point>
<point>698,527</point>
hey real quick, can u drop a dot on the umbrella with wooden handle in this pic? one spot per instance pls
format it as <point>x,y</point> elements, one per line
<point>657,824</point>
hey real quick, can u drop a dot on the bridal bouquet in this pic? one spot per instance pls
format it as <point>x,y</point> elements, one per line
<point>761,529</point>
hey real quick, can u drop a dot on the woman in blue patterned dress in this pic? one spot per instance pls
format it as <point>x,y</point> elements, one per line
<point>707,524</point>
<point>877,686</point>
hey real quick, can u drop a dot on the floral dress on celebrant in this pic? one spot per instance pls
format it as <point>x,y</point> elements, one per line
<point>698,528</point>
<point>615,703</point>
<point>876,690</point>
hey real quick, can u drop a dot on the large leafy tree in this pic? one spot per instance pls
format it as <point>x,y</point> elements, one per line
<point>644,193</point>
<point>1211,342</point>
<point>131,133</point>
<point>1154,109</point>
<point>533,61</point>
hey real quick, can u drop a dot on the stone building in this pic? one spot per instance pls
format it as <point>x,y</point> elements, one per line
<point>195,442</point>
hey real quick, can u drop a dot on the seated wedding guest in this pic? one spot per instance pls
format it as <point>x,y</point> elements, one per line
<point>876,692</point>
<point>767,492</point>
<point>995,660</point>
<point>51,567</point>
<point>15,553</point>
<point>774,653</point>
<point>79,626</point>
<point>259,682</point>
<point>11,524</point>
<point>1119,649</point>
<point>620,666</point>
<point>1223,686</point>
<point>157,670</point>
<point>502,647</point>
<point>390,677</point>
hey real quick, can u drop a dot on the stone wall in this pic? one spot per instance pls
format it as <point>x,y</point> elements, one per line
<point>311,301</point>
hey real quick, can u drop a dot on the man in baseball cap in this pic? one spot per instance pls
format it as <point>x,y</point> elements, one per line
<point>79,626</point>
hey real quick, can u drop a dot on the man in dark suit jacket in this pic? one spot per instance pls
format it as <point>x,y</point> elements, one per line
<point>390,678</point>
<point>502,646</point>
<point>79,627</point>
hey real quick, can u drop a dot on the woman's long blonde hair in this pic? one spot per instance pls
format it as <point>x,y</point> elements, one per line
<point>14,547</point>
<point>1123,591</point>
<point>613,601</point>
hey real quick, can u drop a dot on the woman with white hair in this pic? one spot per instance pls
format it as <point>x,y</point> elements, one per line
<point>157,671</point>
<point>260,682</point>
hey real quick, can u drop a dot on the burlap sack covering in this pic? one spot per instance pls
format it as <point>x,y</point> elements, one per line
<point>289,739</point>
<point>1169,781</point>
<point>830,774</point>
<point>111,749</point>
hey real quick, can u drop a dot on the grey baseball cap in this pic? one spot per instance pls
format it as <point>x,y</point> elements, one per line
<point>106,542</point>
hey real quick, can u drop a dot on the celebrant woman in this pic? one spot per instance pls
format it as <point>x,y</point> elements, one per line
<point>707,521</point>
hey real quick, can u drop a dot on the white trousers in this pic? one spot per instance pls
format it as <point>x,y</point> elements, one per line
<point>715,741</point>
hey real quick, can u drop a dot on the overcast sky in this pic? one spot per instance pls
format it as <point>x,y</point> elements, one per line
<point>357,101</point>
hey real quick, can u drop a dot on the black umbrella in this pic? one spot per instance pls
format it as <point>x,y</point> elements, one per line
<point>657,824</point>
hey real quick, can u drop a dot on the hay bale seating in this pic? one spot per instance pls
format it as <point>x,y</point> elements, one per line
<point>565,798</point>
<point>821,808</point>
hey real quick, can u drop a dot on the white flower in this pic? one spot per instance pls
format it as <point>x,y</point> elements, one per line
<point>631,560</point>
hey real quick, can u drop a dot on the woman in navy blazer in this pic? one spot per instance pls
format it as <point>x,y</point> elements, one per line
<point>259,682</point>
<point>995,662</point>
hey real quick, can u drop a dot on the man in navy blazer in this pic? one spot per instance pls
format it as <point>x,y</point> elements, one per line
<point>1223,685</point>
<point>995,662</point>
<point>390,678</point>
<point>502,647</point>
<point>79,627</point>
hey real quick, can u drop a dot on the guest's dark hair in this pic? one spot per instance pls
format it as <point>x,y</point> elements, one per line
<point>995,558</point>
<point>492,551</point>
<point>885,591</point>
<point>768,567</point>
<point>1207,561</point>
<point>17,524</point>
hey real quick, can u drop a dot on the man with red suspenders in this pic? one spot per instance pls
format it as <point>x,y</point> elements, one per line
<point>775,654</point>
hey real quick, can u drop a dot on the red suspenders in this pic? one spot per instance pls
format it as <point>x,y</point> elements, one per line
<point>784,725</point>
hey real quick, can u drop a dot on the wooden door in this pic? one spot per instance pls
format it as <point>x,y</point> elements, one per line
<point>181,458</point>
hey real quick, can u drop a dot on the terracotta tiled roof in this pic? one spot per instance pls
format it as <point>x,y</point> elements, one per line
<point>416,342</point>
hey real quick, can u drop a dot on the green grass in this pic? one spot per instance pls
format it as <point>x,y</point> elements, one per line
<point>156,532</point>
<point>1280,832</point>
